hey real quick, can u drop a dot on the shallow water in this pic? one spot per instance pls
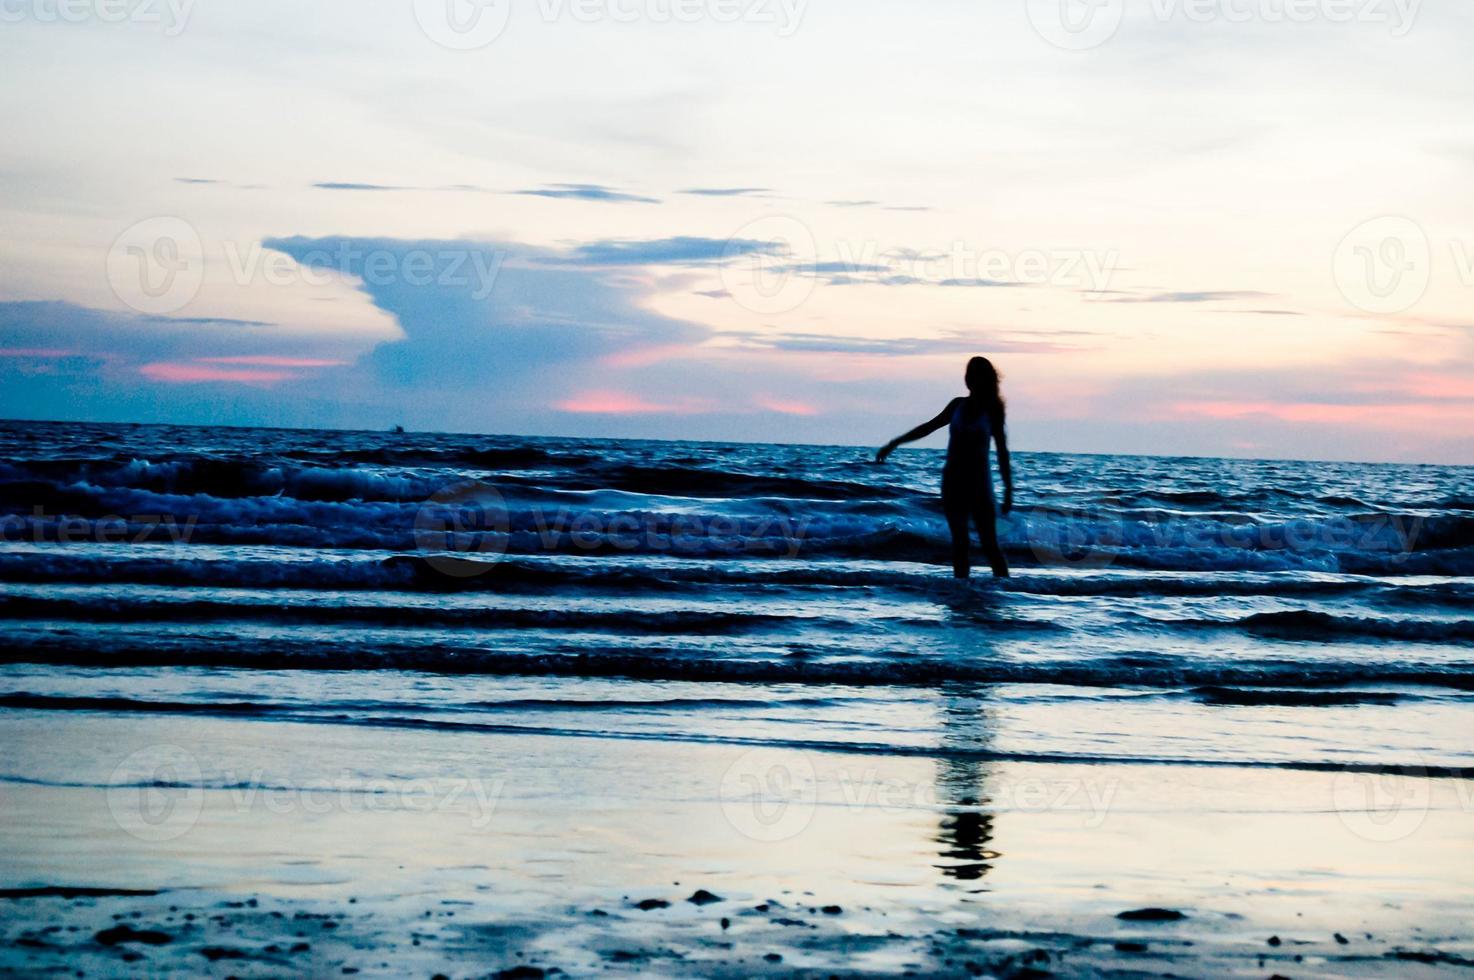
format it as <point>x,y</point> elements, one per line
<point>1281,614</point>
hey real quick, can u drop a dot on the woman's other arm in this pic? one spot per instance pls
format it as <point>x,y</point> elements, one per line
<point>1005,464</point>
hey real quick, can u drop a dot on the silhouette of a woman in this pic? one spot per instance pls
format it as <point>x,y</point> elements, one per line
<point>967,477</point>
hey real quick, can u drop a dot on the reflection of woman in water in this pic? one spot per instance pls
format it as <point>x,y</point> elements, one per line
<point>967,477</point>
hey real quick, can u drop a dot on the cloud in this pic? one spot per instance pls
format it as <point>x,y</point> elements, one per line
<point>340,185</point>
<point>876,204</point>
<point>606,402</point>
<point>213,182</point>
<point>785,406</point>
<point>121,338</point>
<point>725,191</point>
<point>176,372</point>
<point>869,278</point>
<point>335,185</point>
<point>587,192</point>
<point>60,360</point>
<point>683,250</point>
<point>1207,296</point>
<point>949,343</point>
<point>497,317</point>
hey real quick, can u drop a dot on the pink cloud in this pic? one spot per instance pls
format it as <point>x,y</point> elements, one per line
<point>176,373</point>
<point>34,352</point>
<point>1378,416</point>
<point>1441,386</point>
<point>272,361</point>
<point>623,403</point>
<point>786,406</point>
<point>644,356</point>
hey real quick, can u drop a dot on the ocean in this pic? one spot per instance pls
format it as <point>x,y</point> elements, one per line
<point>1213,612</point>
<point>290,702</point>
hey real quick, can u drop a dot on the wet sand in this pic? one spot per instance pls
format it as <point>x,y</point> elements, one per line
<point>266,849</point>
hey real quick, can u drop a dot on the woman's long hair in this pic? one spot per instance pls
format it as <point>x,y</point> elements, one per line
<point>984,381</point>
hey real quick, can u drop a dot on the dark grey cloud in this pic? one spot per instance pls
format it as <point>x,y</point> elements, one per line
<point>587,192</point>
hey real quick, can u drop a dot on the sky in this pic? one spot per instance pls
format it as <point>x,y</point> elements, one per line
<point>1179,227</point>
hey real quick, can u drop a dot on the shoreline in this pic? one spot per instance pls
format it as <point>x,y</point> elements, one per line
<point>582,855</point>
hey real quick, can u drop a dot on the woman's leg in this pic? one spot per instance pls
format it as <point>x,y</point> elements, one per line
<point>986,518</point>
<point>955,506</point>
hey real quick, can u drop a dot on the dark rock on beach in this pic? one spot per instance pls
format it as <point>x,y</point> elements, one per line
<point>127,934</point>
<point>1151,915</point>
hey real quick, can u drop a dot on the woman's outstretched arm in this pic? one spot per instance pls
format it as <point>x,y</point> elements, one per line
<point>920,432</point>
<point>1005,464</point>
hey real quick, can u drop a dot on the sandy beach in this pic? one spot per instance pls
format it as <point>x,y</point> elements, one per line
<point>310,848</point>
